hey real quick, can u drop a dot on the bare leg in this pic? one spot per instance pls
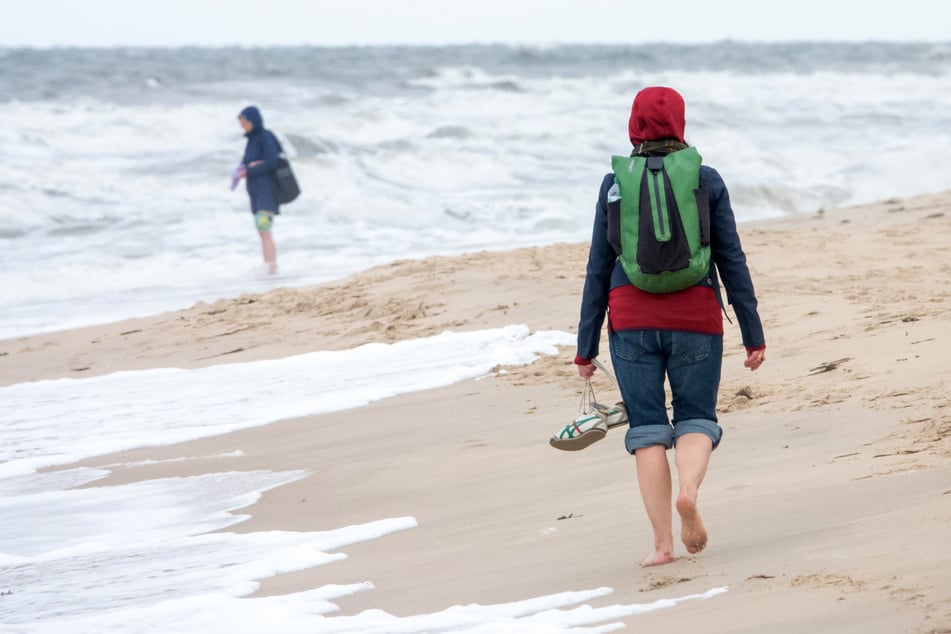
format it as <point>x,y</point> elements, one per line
<point>269,251</point>
<point>692,455</point>
<point>653,479</point>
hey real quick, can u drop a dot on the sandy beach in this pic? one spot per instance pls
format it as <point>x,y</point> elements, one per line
<point>828,502</point>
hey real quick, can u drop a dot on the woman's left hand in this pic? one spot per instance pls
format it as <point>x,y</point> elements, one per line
<point>754,359</point>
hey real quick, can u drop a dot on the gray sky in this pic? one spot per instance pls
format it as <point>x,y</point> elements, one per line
<point>329,22</point>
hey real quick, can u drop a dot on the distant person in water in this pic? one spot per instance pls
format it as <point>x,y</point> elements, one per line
<point>260,159</point>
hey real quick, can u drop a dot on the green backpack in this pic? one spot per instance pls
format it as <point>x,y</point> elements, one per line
<point>659,220</point>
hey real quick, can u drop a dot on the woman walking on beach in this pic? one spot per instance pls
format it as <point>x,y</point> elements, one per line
<point>260,159</point>
<point>677,334</point>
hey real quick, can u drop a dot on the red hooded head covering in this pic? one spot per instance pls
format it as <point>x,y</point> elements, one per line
<point>657,113</point>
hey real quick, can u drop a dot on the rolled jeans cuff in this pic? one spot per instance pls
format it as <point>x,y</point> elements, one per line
<point>698,426</point>
<point>643,436</point>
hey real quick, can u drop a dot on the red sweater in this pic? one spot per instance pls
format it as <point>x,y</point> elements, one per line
<point>694,309</point>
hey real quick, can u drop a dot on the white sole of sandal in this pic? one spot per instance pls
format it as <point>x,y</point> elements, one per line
<point>577,443</point>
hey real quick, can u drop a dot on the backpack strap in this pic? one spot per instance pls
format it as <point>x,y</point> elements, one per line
<point>716,291</point>
<point>658,148</point>
<point>280,148</point>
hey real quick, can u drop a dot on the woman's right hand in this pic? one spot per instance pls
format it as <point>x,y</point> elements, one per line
<point>586,371</point>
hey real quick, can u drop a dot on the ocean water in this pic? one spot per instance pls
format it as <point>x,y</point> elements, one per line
<point>156,556</point>
<point>117,161</point>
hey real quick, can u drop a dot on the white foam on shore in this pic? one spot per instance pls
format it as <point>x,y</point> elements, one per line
<point>48,423</point>
<point>142,463</point>
<point>155,556</point>
<point>136,546</point>
<point>139,558</point>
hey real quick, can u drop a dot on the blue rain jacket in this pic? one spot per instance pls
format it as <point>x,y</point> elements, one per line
<point>605,272</point>
<point>262,146</point>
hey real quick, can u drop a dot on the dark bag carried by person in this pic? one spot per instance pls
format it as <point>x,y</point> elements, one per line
<point>283,180</point>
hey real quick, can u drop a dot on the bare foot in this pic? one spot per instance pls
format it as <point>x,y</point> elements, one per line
<point>659,558</point>
<point>692,532</point>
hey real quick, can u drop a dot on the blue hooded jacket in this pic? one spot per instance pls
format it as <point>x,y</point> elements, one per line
<point>605,272</point>
<point>262,146</point>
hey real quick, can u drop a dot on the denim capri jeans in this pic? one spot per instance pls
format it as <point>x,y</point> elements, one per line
<point>691,363</point>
